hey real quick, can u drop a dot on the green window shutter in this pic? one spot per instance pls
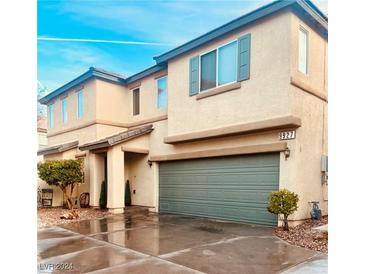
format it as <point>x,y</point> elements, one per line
<point>194,76</point>
<point>243,62</point>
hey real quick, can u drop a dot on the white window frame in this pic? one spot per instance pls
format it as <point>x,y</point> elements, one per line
<point>64,121</point>
<point>83,101</point>
<point>302,29</point>
<point>167,90</point>
<point>217,65</point>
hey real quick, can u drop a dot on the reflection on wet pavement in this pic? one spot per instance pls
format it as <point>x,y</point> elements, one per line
<point>164,243</point>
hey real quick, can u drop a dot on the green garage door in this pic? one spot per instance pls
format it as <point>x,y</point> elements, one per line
<point>231,188</point>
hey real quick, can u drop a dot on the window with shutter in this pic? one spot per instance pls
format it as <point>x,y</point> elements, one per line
<point>244,58</point>
<point>221,66</point>
<point>194,76</point>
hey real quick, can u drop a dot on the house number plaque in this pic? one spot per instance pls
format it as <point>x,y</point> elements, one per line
<point>287,135</point>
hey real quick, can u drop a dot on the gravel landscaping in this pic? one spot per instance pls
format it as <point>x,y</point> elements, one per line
<point>304,235</point>
<point>49,216</point>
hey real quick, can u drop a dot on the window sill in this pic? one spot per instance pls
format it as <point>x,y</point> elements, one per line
<point>218,90</point>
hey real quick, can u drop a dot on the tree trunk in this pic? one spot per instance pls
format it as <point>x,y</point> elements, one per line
<point>72,189</point>
<point>73,211</point>
<point>286,225</point>
<point>68,199</point>
<point>69,203</point>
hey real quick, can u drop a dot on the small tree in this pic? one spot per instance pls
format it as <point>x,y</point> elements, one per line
<point>283,202</point>
<point>63,174</point>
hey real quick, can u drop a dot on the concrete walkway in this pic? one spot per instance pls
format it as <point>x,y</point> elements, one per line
<point>316,265</point>
<point>152,243</point>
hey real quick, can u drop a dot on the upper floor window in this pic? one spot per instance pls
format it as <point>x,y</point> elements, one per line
<point>162,92</point>
<point>64,111</point>
<point>219,66</point>
<point>303,51</point>
<point>80,104</point>
<point>51,115</point>
<point>136,101</point>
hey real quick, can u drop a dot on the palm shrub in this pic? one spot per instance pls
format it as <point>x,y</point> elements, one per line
<point>283,202</point>
<point>103,199</point>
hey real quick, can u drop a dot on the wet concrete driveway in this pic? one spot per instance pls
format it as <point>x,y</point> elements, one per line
<point>153,243</point>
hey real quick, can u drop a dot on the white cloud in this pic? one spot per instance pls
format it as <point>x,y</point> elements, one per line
<point>102,41</point>
<point>62,61</point>
<point>322,5</point>
<point>161,22</point>
<point>173,22</point>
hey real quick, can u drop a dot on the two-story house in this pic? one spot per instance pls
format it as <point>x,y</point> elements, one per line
<point>216,125</point>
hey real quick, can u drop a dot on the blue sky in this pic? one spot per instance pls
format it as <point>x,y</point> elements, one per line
<point>149,28</point>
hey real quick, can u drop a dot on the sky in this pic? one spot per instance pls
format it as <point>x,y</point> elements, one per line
<point>123,36</point>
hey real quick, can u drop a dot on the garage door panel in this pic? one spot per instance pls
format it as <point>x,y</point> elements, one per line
<point>217,194</point>
<point>251,179</point>
<point>255,215</point>
<point>240,205</point>
<point>233,188</point>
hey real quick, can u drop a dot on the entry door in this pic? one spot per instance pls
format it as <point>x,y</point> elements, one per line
<point>230,188</point>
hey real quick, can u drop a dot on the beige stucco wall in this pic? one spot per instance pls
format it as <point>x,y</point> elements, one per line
<point>111,102</point>
<point>42,139</point>
<point>89,108</point>
<point>108,110</point>
<point>310,145</point>
<point>140,176</point>
<point>85,135</point>
<point>312,137</point>
<point>103,131</point>
<point>148,100</point>
<point>158,147</point>
<point>57,193</point>
<point>316,78</point>
<point>96,171</point>
<point>263,96</point>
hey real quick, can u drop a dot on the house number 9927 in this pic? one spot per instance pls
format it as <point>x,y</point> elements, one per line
<point>287,135</point>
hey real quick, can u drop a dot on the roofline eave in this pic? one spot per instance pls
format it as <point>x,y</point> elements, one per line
<point>239,22</point>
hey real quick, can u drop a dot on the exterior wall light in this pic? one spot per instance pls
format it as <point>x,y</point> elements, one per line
<point>287,153</point>
<point>149,163</point>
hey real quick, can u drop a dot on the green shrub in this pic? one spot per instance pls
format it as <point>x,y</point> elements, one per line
<point>127,195</point>
<point>103,199</point>
<point>283,202</point>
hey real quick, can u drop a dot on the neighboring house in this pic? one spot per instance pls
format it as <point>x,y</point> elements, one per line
<point>42,144</point>
<point>198,133</point>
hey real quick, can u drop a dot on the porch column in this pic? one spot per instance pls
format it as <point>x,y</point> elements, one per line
<point>116,181</point>
<point>155,182</point>
<point>96,171</point>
